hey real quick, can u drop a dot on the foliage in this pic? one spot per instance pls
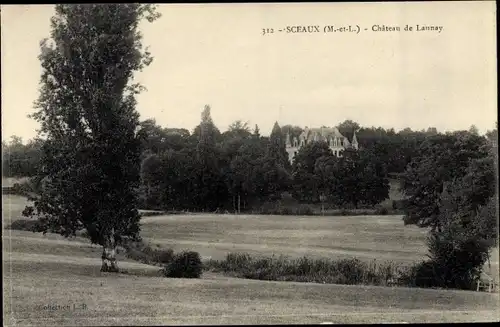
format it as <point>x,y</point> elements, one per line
<point>25,225</point>
<point>441,158</point>
<point>276,150</point>
<point>278,208</point>
<point>347,128</point>
<point>86,109</point>
<point>138,251</point>
<point>456,257</point>
<point>25,188</point>
<point>281,268</point>
<point>355,178</point>
<point>292,131</point>
<point>186,264</point>
<point>465,214</point>
<point>308,182</point>
<point>20,160</point>
<point>155,139</point>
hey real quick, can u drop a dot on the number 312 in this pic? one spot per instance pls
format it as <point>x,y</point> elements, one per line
<point>267,31</point>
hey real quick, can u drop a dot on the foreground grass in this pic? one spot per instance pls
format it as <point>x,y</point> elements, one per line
<point>50,270</point>
<point>136,299</point>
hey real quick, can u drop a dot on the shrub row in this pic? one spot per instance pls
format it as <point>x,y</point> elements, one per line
<point>308,210</point>
<point>151,213</point>
<point>281,268</point>
<point>278,209</point>
<point>427,274</point>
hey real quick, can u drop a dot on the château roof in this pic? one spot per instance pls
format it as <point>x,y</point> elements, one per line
<point>321,134</point>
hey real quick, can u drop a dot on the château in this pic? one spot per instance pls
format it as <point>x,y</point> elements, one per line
<point>332,136</point>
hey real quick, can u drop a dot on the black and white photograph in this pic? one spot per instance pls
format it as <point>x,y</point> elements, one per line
<point>249,163</point>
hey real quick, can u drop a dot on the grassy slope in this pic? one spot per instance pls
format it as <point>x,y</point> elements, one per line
<point>40,270</point>
<point>366,237</point>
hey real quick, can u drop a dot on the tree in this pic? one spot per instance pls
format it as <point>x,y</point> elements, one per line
<point>468,220</point>
<point>326,171</point>
<point>271,178</point>
<point>152,136</point>
<point>151,175</point>
<point>256,132</point>
<point>307,184</point>
<point>276,149</point>
<point>473,130</point>
<point>86,110</point>
<point>239,129</point>
<point>441,158</point>
<point>20,160</point>
<point>210,131</point>
<point>492,136</point>
<point>348,127</point>
<point>211,189</point>
<point>373,184</point>
<point>293,131</point>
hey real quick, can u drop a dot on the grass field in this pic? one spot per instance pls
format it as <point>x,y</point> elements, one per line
<point>49,270</point>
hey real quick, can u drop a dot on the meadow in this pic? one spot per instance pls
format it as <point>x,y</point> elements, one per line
<point>41,272</point>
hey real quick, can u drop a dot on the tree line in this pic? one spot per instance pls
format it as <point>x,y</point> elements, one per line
<point>236,170</point>
<point>239,169</point>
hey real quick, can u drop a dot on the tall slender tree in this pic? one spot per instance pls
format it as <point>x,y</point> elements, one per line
<point>276,149</point>
<point>86,110</point>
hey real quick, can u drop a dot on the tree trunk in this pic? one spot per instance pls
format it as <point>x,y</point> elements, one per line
<point>239,203</point>
<point>108,257</point>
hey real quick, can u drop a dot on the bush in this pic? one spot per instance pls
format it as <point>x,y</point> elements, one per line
<point>345,271</point>
<point>345,212</point>
<point>305,210</point>
<point>421,274</point>
<point>25,225</point>
<point>151,213</point>
<point>455,261</point>
<point>186,264</point>
<point>381,211</point>
<point>23,189</point>
<point>165,256</point>
<point>144,253</point>
<point>284,211</point>
<point>399,204</point>
<point>138,255</point>
<point>456,258</point>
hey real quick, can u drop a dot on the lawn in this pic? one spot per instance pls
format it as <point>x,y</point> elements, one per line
<point>41,271</point>
<point>365,237</point>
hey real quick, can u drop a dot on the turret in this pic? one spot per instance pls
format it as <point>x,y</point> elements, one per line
<point>355,141</point>
<point>287,140</point>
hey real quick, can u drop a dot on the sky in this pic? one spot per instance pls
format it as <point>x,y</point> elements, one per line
<point>216,54</point>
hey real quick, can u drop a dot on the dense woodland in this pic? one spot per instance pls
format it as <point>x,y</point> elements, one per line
<point>239,169</point>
